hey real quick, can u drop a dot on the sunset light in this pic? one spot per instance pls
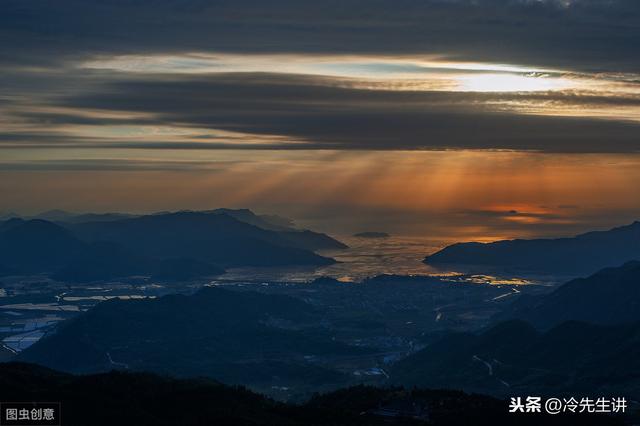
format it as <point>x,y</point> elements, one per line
<point>320,213</point>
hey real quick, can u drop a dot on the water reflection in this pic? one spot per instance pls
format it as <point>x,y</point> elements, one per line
<point>369,257</point>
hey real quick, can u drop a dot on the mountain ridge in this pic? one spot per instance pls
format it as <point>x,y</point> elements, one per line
<point>610,296</point>
<point>148,245</point>
<point>583,254</point>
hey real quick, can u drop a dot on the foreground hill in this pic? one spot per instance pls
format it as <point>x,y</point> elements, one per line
<point>610,296</point>
<point>513,358</point>
<point>119,398</point>
<point>583,254</point>
<point>237,337</point>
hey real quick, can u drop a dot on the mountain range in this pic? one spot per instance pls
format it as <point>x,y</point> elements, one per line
<point>204,243</point>
<point>579,255</point>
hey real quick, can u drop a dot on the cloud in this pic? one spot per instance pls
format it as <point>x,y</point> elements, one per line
<point>584,34</point>
<point>50,99</point>
<point>110,165</point>
<point>300,112</point>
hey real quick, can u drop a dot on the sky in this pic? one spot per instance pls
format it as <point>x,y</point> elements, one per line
<point>465,119</point>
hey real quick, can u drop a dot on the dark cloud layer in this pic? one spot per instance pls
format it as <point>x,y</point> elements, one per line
<point>330,117</point>
<point>587,34</point>
<point>110,165</point>
<point>43,42</point>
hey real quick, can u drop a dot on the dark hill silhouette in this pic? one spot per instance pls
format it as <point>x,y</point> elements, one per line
<point>215,238</point>
<point>142,399</point>
<point>610,296</point>
<point>62,216</point>
<point>310,240</point>
<point>37,245</point>
<point>261,221</point>
<point>97,217</point>
<point>5,271</point>
<point>290,236</point>
<point>305,239</point>
<point>11,223</point>
<point>513,358</point>
<point>264,221</point>
<point>236,337</point>
<point>583,254</point>
<point>152,245</point>
<point>105,261</point>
